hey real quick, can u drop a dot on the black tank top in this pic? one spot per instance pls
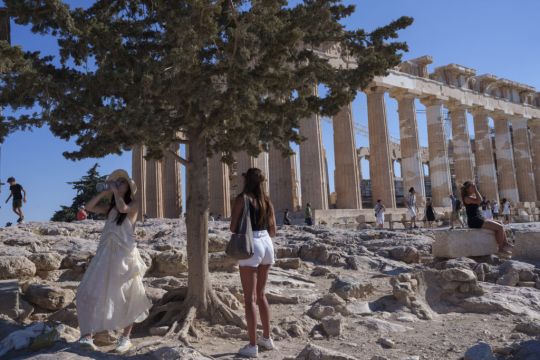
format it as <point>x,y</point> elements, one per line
<point>474,216</point>
<point>255,215</point>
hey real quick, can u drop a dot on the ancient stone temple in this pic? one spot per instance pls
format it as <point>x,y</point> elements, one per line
<point>503,160</point>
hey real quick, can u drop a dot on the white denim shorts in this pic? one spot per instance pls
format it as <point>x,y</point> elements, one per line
<point>263,250</point>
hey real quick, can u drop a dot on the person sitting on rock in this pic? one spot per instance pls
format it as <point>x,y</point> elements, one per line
<point>472,200</point>
<point>111,295</point>
<point>254,270</point>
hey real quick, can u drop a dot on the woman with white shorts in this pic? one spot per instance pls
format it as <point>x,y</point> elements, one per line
<point>254,270</point>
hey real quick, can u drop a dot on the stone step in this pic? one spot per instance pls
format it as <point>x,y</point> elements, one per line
<point>9,298</point>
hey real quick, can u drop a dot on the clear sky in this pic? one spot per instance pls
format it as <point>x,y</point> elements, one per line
<point>492,36</point>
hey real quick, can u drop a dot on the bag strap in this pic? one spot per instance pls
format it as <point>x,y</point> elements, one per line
<point>245,219</point>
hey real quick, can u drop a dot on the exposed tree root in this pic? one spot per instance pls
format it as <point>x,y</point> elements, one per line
<point>180,314</point>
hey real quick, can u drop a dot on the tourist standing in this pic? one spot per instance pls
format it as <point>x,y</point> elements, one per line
<point>456,208</point>
<point>286,218</point>
<point>254,270</point>
<point>82,214</point>
<point>472,200</point>
<point>111,295</point>
<point>411,207</point>
<point>488,214</point>
<point>17,192</point>
<point>430,213</point>
<point>495,209</point>
<point>506,210</point>
<point>308,215</point>
<point>379,214</point>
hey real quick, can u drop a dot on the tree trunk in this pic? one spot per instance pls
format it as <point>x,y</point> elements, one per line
<point>197,223</point>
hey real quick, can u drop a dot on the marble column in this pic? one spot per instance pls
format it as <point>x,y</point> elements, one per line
<point>312,176</point>
<point>170,179</point>
<point>412,171</point>
<point>138,172</point>
<point>534,126</point>
<point>505,160</point>
<point>485,163</point>
<point>261,162</point>
<point>439,165</point>
<point>154,194</point>
<point>219,187</point>
<point>242,163</point>
<point>347,176</point>
<point>380,162</point>
<point>522,158</point>
<point>461,140</point>
<point>282,181</point>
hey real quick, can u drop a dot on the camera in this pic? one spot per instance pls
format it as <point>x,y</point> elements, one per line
<point>103,186</point>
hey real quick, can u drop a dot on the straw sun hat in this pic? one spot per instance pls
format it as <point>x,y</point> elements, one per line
<point>117,174</point>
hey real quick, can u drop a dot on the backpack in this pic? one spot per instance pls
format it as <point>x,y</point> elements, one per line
<point>458,204</point>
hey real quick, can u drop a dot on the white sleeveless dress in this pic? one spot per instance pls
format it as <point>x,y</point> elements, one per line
<point>111,294</point>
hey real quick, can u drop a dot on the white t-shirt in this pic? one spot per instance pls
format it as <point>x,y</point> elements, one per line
<point>506,208</point>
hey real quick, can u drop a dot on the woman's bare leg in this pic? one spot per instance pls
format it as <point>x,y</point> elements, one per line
<point>248,276</point>
<point>127,331</point>
<point>264,309</point>
<point>499,232</point>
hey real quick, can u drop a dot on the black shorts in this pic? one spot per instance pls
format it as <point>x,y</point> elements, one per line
<point>17,203</point>
<point>475,223</point>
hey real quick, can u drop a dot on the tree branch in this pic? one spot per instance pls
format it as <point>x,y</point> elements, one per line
<point>180,159</point>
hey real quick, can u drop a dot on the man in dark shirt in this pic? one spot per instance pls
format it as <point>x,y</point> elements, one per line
<point>17,192</point>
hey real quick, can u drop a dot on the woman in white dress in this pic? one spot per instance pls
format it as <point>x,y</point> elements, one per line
<point>111,295</point>
<point>411,207</point>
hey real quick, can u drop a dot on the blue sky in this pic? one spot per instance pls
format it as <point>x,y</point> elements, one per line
<point>491,36</point>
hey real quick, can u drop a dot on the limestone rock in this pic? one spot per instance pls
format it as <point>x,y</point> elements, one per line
<point>348,287</point>
<point>67,316</point>
<point>16,267</point>
<point>177,353</point>
<point>314,352</point>
<point>49,297</point>
<point>383,326</point>
<point>217,243</point>
<point>320,271</point>
<point>288,263</point>
<point>480,351</point>
<point>531,328</point>
<point>469,242</point>
<point>525,271</point>
<point>332,325</point>
<point>172,262</point>
<point>509,279</point>
<point>219,261</point>
<point>46,261</point>
<point>386,343</point>
<point>331,299</point>
<point>318,311</point>
<point>407,254</point>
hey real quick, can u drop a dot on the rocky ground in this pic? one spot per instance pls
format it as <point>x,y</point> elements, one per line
<point>335,294</point>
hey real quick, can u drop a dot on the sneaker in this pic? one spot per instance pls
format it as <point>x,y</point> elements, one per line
<point>123,345</point>
<point>249,351</point>
<point>267,344</point>
<point>87,343</point>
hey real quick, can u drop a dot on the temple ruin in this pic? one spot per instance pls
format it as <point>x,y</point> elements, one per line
<point>504,161</point>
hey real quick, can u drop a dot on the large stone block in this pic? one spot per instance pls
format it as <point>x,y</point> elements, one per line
<point>527,245</point>
<point>466,242</point>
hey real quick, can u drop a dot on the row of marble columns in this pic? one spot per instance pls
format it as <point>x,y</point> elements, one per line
<point>158,184</point>
<point>509,171</point>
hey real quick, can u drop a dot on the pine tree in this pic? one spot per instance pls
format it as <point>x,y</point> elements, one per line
<point>228,75</point>
<point>86,190</point>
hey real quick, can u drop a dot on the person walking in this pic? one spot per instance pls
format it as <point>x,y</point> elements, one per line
<point>475,220</point>
<point>111,295</point>
<point>506,210</point>
<point>254,270</point>
<point>456,208</point>
<point>411,207</point>
<point>17,192</point>
<point>429,213</point>
<point>286,218</point>
<point>379,214</point>
<point>308,215</point>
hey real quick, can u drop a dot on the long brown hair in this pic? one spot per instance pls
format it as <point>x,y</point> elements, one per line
<point>254,186</point>
<point>464,192</point>
<point>120,217</point>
